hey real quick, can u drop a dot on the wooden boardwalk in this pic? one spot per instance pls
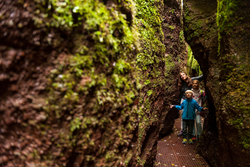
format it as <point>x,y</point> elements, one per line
<point>171,152</point>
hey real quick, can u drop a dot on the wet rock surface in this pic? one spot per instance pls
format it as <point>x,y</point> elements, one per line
<point>41,124</point>
<point>218,40</point>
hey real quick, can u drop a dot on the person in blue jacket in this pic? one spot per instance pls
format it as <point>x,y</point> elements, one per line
<point>184,84</point>
<point>188,115</point>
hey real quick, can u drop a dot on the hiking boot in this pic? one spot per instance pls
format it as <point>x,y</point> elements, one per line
<point>179,134</point>
<point>184,141</point>
<point>190,141</point>
<point>194,138</point>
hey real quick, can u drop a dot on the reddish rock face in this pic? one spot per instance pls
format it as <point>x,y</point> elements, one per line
<point>175,50</point>
<point>39,127</point>
<point>219,45</point>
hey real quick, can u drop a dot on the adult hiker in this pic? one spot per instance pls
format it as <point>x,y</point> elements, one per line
<point>199,97</point>
<point>188,115</point>
<point>184,84</point>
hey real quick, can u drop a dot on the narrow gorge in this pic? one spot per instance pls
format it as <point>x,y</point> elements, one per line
<point>88,83</point>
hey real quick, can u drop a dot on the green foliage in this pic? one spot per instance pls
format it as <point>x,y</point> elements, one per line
<point>149,23</point>
<point>194,27</point>
<point>171,27</point>
<point>192,62</point>
<point>122,66</point>
<point>225,10</point>
<point>149,60</point>
<point>237,87</point>
<point>149,92</point>
<point>181,36</point>
<point>104,71</point>
<point>75,124</point>
<point>235,70</point>
<point>147,82</point>
<point>97,73</point>
<point>169,64</point>
<point>82,63</point>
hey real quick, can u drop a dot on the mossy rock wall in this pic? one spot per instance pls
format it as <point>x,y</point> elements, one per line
<point>86,82</point>
<point>218,33</point>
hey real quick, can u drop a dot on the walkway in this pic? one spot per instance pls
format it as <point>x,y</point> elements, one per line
<point>172,153</point>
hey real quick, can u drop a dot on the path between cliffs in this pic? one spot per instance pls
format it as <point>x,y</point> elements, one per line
<point>172,153</point>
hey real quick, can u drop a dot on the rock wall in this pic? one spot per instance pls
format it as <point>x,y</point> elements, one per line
<point>175,50</point>
<point>86,83</point>
<point>218,34</point>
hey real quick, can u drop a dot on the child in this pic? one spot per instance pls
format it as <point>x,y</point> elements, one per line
<point>188,115</point>
<point>184,84</point>
<point>199,96</point>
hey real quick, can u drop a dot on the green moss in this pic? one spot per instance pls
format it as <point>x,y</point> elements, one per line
<point>97,72</point>
<point>238,103</point>
<point>171,27</point>
<point>149,92</point>
<point>181,36</point>
<point>225,10</point>
<point>195,27</point>
<point>192,62</point>
<point>235,69</point>
<point>170,65</point>
<point>152,53</point>
<point>104,70</point>
<point>149,23</point>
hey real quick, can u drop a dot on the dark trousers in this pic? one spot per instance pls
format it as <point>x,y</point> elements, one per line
<point>188,126</point>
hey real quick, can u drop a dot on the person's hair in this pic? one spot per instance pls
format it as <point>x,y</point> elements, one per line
<point>189,91</point>
<point>196,81</point>
<point>188,80</point>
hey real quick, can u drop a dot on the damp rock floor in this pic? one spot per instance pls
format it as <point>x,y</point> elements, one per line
<point>172,153</point>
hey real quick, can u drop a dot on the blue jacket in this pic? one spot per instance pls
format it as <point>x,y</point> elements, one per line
<point>189,106</point>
